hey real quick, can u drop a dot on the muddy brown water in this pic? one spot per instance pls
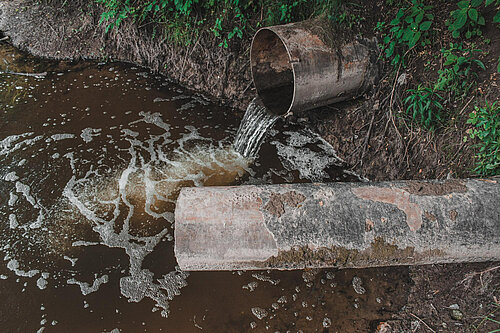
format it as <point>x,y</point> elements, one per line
<point>92,157</point>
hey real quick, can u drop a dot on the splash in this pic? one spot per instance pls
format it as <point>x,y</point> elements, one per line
<point>253,127</point>
<point>129,207</point>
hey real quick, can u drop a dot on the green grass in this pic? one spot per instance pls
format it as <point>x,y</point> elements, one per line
<point>424,106</point>
<point>490,318</point>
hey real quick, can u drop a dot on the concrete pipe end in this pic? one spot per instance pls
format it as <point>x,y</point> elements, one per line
<point>272,71</point>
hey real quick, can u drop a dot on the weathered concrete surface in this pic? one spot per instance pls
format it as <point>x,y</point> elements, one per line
<point>338,224</point>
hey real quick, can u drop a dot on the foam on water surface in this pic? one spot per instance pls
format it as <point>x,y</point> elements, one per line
<point>89,181</point>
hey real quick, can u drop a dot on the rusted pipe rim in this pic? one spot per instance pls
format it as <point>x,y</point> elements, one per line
<point>272,69</point>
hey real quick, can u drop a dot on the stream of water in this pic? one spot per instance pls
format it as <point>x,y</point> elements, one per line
<point>254,126</point>
<point>92,158</point>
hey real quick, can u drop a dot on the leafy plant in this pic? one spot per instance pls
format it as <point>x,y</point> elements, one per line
<point>183,20</point>
<point>423,104</point>
<point>486,122</point>
<point>458,75</point>
<point>467,18</point>
<point>409,28</point>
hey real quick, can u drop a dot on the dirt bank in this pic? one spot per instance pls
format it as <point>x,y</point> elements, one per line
<point>73,32</point>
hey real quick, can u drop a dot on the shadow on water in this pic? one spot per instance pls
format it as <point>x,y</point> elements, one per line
<point>92,159</point>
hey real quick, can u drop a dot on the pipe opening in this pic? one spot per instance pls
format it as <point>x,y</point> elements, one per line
<point>272,71</point>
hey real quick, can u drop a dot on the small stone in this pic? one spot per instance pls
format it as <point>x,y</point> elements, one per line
<point>457,314</point>
<point>356,284</point>
<point>454,307</point>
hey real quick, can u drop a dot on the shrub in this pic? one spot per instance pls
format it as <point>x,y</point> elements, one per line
<point>182,20</point>
<point>409,28</point>
<point>486,129</point>
<point>457,75</point>
<point>468,18</point>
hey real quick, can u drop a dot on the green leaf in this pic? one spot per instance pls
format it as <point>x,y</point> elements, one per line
<point>400,13</point>
<point>450,59</point>
<point>489,2</point>
<point>419,17</point>
<point>473,14</point>
<point>468,34</point>
<point>408,35</point>
<point>390,49</point>
<point>475,3</point>
<point>455,33</point>
<point>480,64</point>
<point>425,25</point>
<point>460,21</point>
<point>463,4</point>
<point>498,67</point>
<point>481,21</point>
<point>396,21</point>
<point>414,40</point>
<point>496,19</point>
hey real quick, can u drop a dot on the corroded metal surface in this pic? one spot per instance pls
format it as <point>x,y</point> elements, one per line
<point>338,224</point>
<point>299,66</point>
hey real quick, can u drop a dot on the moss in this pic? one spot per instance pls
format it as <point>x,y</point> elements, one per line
<point>380,253</point>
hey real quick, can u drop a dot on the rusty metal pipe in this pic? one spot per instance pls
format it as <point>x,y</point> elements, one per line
<point>341,225</point>
<point>301,66</point>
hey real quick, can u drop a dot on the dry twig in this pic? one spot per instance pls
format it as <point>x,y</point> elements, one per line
<point>471,275</point>
<point>423,322</point>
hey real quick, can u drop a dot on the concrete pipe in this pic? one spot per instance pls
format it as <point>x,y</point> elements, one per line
<point>337,225</point>
<point>301,66</point>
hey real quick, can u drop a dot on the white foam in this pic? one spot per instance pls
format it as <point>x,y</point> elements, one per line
<point>71,260</point>
<point>12,199</point>
<point>13,265</point>
<point>89,133</point>
<point>11,177</point>
<point>65,136</point>
<point>265,278</point>
<point>25,191</point>
<point>41,283</point>
<point>87,288</point>
<point>259,313</point>
<point>13,221</point>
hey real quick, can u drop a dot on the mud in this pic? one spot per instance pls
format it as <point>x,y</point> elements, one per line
<point>442,188</point>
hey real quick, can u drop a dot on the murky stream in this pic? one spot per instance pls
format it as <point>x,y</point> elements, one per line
<point>92,157</point>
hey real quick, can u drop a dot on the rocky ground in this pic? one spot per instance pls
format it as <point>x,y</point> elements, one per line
<point>370,133</point>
